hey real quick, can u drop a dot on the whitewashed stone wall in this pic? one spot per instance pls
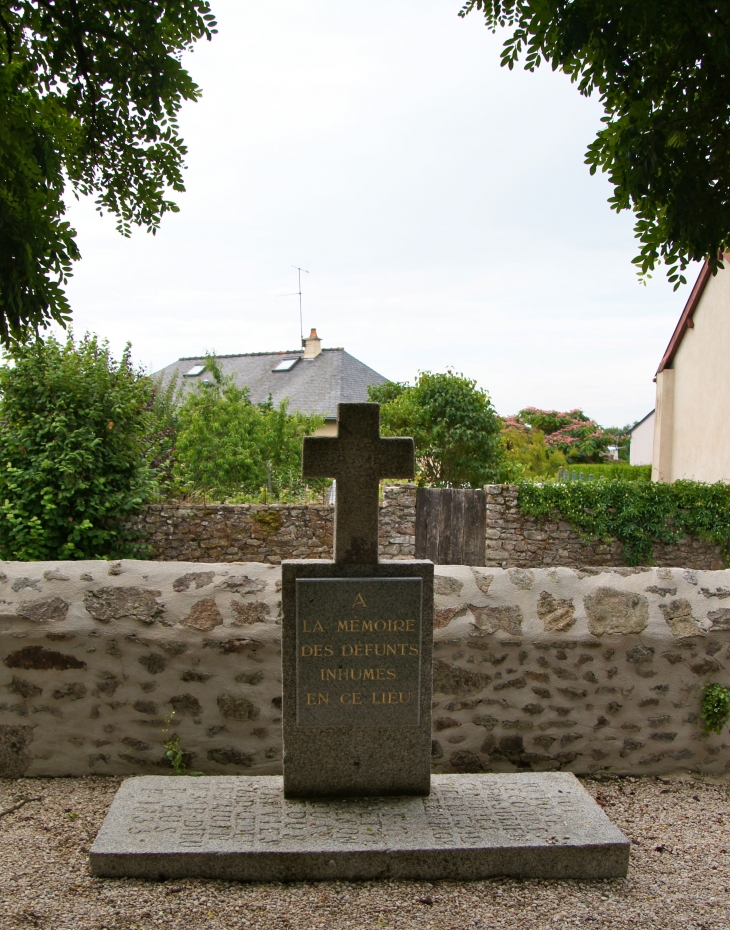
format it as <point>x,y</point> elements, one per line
<point>582,670</point>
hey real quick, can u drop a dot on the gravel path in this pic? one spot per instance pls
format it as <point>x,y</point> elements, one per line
<point>679,878</point>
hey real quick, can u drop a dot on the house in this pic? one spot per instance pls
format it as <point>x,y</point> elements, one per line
<point>691,436</point>
<point>313,379</point>
<point>642,441</point>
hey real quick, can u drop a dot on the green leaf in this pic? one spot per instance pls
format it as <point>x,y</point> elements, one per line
<point>454,426</point>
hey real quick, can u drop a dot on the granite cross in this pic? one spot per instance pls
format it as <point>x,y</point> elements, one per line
<point>357,458</point>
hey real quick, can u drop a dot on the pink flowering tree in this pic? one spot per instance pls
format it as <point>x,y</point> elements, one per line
<point>579,438</point>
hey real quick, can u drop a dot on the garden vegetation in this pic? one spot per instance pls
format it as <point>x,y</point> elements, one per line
<point>637,513</point>
<point>86,441</point>
<point>74,426</point>
<point>229,448</point>
<point>454,425</point>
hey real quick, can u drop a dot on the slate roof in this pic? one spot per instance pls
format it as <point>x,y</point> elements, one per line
<point>312,385</point>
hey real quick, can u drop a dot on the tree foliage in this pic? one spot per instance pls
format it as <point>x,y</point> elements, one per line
<point>526,449</point>
<point>453,423</point>
<point>89,96</point>
<point>661,69</point>
<point>161,441</point>
<point>228,447</point>
<point>73,427</point>
<point>572,433</point>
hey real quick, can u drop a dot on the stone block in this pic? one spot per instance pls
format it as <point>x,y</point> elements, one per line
<point>361,747</point>
<point>470,827</point>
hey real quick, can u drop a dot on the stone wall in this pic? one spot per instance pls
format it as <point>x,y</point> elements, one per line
<point>267,532</point>
<point>545,669</point>
<point>270,533</point>
<point>520,541</point>
<point>397,522</point>
<point>236,532</point>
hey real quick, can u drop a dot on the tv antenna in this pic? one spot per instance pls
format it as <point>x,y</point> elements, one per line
<point>298,294</point>
<point>299,278</point>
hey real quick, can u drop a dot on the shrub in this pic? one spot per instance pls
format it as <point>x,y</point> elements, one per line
<point>230,448</point>
<point>160,443</point>
<point>73,423</point>
<point>526,449</point>
<point>579,438</point>
<point>637,513</point>
<point>619,470</point>
<point>454,426</point>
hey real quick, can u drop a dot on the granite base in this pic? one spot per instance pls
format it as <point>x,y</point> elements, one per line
<point>469,827</point>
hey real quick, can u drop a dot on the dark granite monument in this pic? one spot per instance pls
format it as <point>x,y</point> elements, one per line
<point>357,800</point>
<point>357,636</point>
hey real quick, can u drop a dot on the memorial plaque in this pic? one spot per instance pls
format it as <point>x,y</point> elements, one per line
<point>358,652</point>
<point>357,634</point>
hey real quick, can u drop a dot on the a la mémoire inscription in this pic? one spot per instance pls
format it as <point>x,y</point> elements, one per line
<point>358,652</point>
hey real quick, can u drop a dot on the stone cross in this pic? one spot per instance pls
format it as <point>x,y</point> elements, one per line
<point>357,458</point>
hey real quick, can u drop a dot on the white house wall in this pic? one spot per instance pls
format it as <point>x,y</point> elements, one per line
<point>691,438</point>
<point>642,442</point>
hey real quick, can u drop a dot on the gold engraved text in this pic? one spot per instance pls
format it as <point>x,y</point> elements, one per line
<point>391,697</point>
<point>378,649</point>
<point>376,626</point>
<point>317,628</point>
<point>319,651</point>
<point>317,699</point>
<point>357,674</point>
<point>354,698</point>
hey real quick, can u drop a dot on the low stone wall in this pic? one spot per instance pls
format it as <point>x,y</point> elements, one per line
<point>267,532</point>
<point>272,532</point>
<point>516,540</point>
<point>397,522</point>
<point>236,532</point>
<point>586,671</point>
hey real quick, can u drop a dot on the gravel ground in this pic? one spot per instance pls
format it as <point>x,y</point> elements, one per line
<point>679,878</point>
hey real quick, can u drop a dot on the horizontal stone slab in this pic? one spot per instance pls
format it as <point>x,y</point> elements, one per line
<point>470,827</point>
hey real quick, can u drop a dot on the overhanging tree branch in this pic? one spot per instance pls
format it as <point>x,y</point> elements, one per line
<point>89,94</point>
<point>661,69</point>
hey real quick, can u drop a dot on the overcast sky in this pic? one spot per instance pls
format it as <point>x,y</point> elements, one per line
<point>439,202</point>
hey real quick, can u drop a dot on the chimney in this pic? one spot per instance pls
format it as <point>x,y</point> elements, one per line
<point>312,345</point>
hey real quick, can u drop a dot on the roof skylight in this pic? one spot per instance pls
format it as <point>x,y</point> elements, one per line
<point>286,364</point>
<point>195,371</point>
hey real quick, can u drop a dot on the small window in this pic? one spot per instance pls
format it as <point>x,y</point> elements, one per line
<point>286,364</point>
<point>194,371</point>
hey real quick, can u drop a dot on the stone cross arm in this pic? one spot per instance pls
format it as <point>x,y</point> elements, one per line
<point>323,458</point>
<point>358,458</point>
